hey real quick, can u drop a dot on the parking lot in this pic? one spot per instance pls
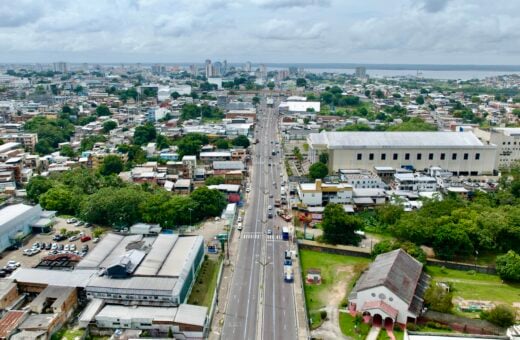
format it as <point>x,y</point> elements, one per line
<point>31,261</point>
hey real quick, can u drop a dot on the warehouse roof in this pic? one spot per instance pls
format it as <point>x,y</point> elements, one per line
<point>191,315</point>
<point>228,165</point>
<point>154,260</point>
<point>133,283</point>
<point>76,278</point>
<point>182,254</point>
<point>357,139</point>
<point>11,212</point>
<point>138,312</point>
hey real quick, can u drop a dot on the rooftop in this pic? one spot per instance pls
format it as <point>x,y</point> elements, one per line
<point>357,139</point>
<point>76,278</point>
<point>11,212</point>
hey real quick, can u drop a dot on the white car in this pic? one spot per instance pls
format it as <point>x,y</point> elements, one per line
<point>66,248</point>
<point>270,207</point>
<point>72,247</point>
<point>27,251</point>
<point>54,246</point>
<point>74,238</point>
<point>248,190</point>
<point>239,226</point>
<point>239,219</point>
<point>12,263</point>
<point>95,240</point>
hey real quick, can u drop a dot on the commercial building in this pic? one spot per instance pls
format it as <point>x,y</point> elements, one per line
<point>360,178</point>
<point>300,107</point>
<point>391,290</point>
<point>415,182</point>
<point>319,194</point>
<point>15,223</point>
<point>462,153</point>
<point>507,141</point>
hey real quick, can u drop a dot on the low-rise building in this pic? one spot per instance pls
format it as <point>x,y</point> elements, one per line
<point>415,182</point>
<point>319,194</point>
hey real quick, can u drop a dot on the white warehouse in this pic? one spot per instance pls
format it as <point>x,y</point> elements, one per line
<point>462,153</point>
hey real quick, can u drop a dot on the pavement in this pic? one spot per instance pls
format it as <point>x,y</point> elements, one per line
<point>373,333</point>
<point>254,300</point>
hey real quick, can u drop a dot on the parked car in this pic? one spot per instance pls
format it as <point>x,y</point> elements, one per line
<point>72,247</point>
<point>72,220</point>
<point>48,246</point>
<point>95,240</point>
<point>9,270</point>
<point>61,246</point>
<point>3,273</point>
<point>85,238</point>
<point>36,245</point>
<point>66,248</point>
<point>84,248</point>
<point>269,232</point>
<point>27,251</point>
<point>73,238</point>
<point>79,223</point>
<point>13,263</point>
<point>54,246</point>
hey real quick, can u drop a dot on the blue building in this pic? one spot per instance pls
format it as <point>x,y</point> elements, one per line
<point>15,223</point>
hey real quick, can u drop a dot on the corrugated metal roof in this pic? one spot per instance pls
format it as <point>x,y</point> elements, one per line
<point>191,315</point>
<point>100,253</point>
<point>160,249</point>
<point>181,256</point>
<point>13,211</point>
<point>140,312</point>
<point>357,139</point>
<point>76,278</point>
<point>119,250</point>
<point>228,165</point>
<point>132,284</point>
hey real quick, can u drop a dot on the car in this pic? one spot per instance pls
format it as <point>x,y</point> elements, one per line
<point>269,232</point>
<point>13,263</point>
<point>8,270</point>
<point>67,247</point>
<point>54,246</point>
<point>73,238</point>
<point>239,219</point>
<point>81,234</point>
<point>27,251</point>
<point>72,247</point>
<point>48,246</point>
<point>79,224</point>
<point>3,273</point>
<point>72,220</point>
<point>239,226</point>
<point>57,237</point>
<point>269,207</point>
<point>36,245</point>
<point>270,215</point>
<point>248,190</point>
<point>88,225</point>
<point>269,164</point>
<point>84,248</point>
<point>61,246</point>
<point>86,238</point>
<point>95,240</point>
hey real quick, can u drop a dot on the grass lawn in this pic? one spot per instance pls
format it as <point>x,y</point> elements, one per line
<point>477,286</point>
<point>335,269</point>
<point>68,334</point>
<point>202,292</point>
<point>346,324</point>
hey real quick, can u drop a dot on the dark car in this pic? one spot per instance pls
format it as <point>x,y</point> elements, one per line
<point>3,273</point>
<point>43,245</point>
<point>61,246</point>
<point>9,270</point>
<point>48,246</point>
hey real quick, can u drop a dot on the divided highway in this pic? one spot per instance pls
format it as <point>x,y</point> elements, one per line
<point>260,304</point>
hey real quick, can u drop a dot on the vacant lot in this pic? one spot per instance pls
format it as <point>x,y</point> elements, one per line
<point>476,286</point>
<point>202,292</point>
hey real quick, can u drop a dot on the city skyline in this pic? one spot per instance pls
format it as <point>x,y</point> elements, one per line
<point>318,31</point>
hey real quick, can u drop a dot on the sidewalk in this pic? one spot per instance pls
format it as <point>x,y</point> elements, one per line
<point>299,298</point>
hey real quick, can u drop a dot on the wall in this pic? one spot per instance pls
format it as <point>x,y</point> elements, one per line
<point>462,324</point>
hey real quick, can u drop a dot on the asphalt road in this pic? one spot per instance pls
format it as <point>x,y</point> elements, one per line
<point>261,304</point>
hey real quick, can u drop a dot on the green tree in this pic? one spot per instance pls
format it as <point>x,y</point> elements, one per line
<point>210,202</point>
<point>270,85</point>
<point>112,164</point>
<point>508,266</point>
<point>380,94</point>
<point>419,100</point>
<point>301,82</point>
<point>37,186</point>
<point>190,111</point>
<point>256,100</point>
<point>152,208</point>
<point>87,143</point>
<point>61,199</point>
<point>103,110</point>
<point>451,240</point>
<point>222,143</point>
<point>180,210</point>
<point>109,125</point>
<point>144,134</point>
<point>175,95</point>
<point>339,227</point>
<point>242,141</point>
<point>438,299</point>
<point>214,180</point>
<point>162,142</point>
<point>502,315</point>
<point>67,151</point>
<point>324,158</point>
<point>318,170</point>
<point>191,144</point>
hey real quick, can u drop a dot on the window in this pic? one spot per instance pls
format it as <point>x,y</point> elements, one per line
<point>430,157</point>
<point>466,156</point>
<point>443,156</point>
<point>453,156</point>
<point>359,156</point>
<point>383,156</point>
<point>477,156</point>
<point>395,157</point>
<point>407,156</point>
<point>419,156</point>
<point>371,156</point>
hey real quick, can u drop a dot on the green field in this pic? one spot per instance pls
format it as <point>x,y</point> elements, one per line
<point>476,286</point>
<point>202,292</point>
<point>337,272</point>
<point>68,334</point>
<point>346,324</point>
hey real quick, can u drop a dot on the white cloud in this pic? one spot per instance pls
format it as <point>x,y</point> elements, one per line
<point>281,29</point>
<point>290,3</point>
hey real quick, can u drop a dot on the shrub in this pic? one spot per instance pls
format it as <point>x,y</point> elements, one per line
<point>438,299</point>
<point>502,316</point>
<point>323,314</point>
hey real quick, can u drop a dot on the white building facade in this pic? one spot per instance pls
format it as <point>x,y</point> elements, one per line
<point>459,152</point>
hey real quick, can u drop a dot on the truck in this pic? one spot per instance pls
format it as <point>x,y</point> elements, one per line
<point>285,233</point>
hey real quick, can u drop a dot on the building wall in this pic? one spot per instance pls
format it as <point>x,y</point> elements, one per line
<point>19,224</point>
<point>9,297</point>
<point>397,303</point>
<point>371,157</point>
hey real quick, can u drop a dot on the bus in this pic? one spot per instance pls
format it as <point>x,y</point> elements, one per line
<point>285,233</point>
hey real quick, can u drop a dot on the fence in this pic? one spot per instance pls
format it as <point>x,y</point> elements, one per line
<point>214,301</point>
<point>461,324</point>
<point>302,284</point>
<point>462,266</point>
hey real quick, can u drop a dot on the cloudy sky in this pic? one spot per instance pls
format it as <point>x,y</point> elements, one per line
<point>367,31</point>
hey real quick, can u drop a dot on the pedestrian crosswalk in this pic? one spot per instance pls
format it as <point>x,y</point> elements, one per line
<point>259,235</point>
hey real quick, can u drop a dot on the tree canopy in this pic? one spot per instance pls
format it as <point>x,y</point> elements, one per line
<point>109,125</point>
<point>318,170</point>
<point>340,227</point>
<point>144,134</point>
<point>241,141</point>
<point>112,164</point>
<point>103,110</point>
<point>508,266</point>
